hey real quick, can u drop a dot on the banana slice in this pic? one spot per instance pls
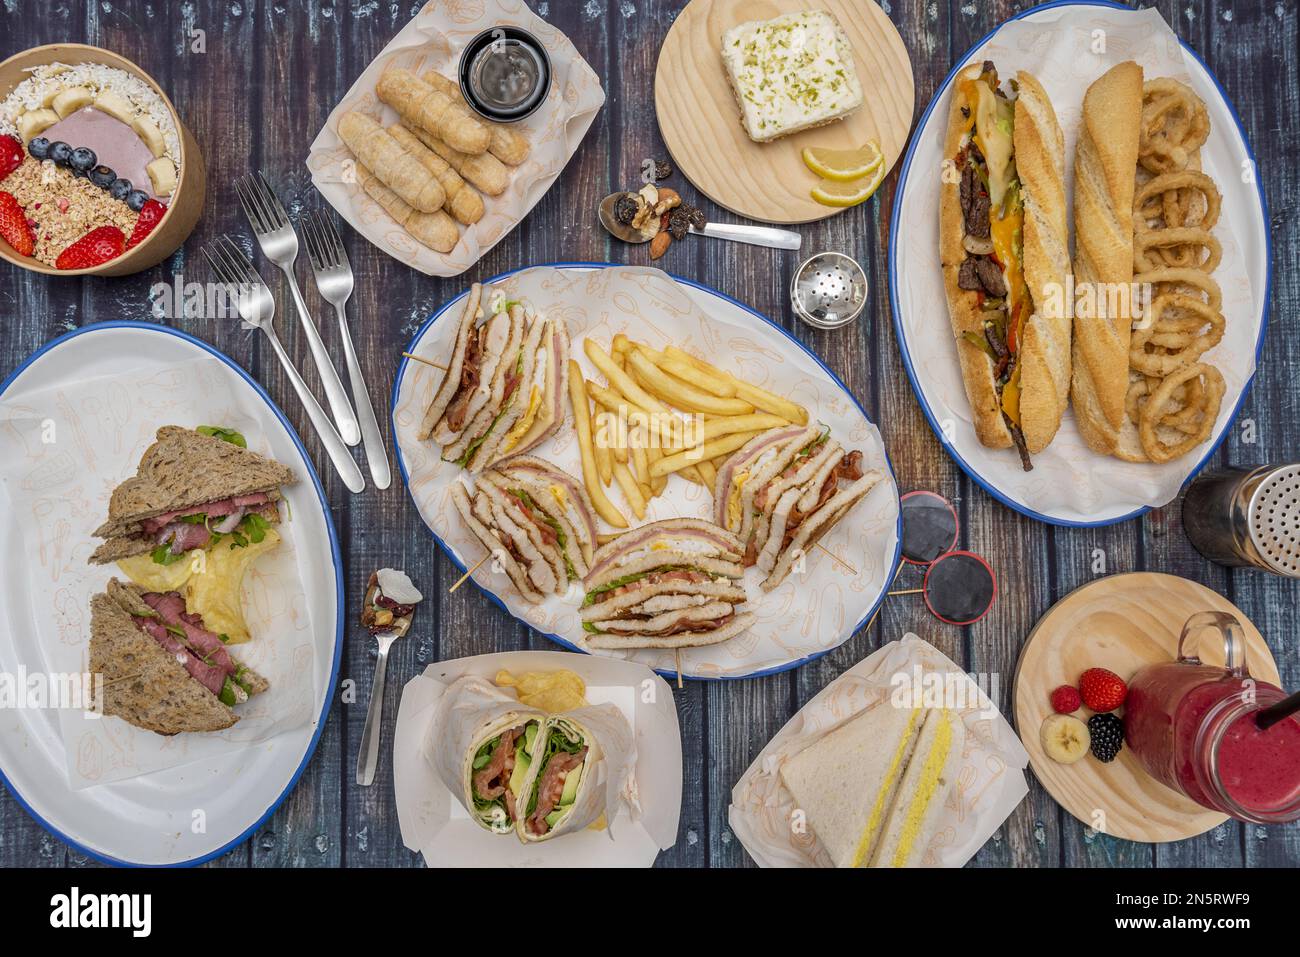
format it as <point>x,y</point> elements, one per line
<point>148,131</point>
<point>71,100</point>
<point>35,122</point>
<point>51,94</point>
<point>115,106</point>
<point>1065,738</point>
<point>162,174</point>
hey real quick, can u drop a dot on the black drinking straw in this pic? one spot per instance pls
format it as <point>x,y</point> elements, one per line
<point>1274,713</point>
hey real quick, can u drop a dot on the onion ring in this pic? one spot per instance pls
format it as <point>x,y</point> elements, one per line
<point>1210,399</point>
<point>1179,279</point>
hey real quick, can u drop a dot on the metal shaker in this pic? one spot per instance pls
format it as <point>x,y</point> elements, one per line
<point>1247,518</point>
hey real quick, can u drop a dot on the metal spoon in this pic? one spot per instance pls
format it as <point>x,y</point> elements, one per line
<point>368,755</point>
<point>754,235</point>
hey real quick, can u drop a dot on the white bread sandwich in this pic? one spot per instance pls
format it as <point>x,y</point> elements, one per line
<point>873,789</point>
<point>503,393</point>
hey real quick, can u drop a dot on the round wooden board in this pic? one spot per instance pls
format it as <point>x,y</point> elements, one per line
<point>1122,623</point>
<point>700,120</point>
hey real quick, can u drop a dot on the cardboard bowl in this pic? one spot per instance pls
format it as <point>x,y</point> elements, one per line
<point>186,202</point>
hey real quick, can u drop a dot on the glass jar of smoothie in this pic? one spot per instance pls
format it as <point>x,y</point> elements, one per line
<point>1193,728</point>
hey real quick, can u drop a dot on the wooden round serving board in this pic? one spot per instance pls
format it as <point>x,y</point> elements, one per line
<point>1122,623</point>
<point>700,120</point>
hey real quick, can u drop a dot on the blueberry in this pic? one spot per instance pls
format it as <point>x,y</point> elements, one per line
<point>102,177</point>
<point>136,199</point>
<point>83,159</point>
<point>119,188</point>
<point>39,148</point>
<point>60,152</point>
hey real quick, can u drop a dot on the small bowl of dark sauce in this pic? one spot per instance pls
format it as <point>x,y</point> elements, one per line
<point>505,74</point>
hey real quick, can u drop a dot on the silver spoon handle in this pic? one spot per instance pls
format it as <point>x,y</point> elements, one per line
<point>754,235</point>
<point>368,756</point>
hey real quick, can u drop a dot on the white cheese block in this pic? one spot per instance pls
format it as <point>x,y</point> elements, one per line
<point>791,73</point>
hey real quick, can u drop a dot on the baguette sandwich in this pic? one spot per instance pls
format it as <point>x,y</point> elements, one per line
<point>1005,254</point>
<point>1104,160</point>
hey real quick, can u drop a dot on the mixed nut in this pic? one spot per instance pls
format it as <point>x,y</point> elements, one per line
<point>658,213</point>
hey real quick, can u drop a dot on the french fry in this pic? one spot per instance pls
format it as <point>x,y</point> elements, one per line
<point>631,490</point>
<point>620,439</point>
<point>756,422</point>
<point>693,457</point>
<point>582,425</point>
<point>619,379</point>
<point>600,439</point>
<point>620,345</point>
<point>724,388</point>
<point>708,473</point>
<point>640,459</point>
<point>679,393</point>
<point>758,397</point>
<point>657,482</point>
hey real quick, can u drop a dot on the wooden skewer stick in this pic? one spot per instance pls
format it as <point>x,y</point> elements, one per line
<point>461,580</point>
<point>853,571</point>
<point>677,654</point>
<point>908,591</point>
<point>428,362</point>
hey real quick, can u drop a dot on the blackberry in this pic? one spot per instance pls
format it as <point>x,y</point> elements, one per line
<point>1107,732</point>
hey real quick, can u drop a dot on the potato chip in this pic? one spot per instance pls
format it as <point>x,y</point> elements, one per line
<point>550,691</point>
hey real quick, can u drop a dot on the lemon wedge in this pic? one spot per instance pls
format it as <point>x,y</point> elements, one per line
<point>844,166</point>
<point>831,193</point>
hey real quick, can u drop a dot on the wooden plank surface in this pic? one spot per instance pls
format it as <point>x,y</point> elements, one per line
<point>255,99</point>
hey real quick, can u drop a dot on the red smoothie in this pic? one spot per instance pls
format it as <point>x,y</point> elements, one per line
<point>1174,714</point>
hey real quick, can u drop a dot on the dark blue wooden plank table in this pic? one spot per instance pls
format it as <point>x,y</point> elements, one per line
<point>256,98</point>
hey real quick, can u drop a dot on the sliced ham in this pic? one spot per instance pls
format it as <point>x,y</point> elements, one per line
<point>469,381</point>
<point>633,540</point>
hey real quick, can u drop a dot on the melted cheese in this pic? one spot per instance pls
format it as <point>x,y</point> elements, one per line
<point>931,773</point>
<point>560,495</point>
<point>211,582</point>
<point>733,500</point>
<point>525,422</point>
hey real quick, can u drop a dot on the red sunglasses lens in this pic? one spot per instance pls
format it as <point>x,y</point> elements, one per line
<point>960,588</point>
<point>929,527</point>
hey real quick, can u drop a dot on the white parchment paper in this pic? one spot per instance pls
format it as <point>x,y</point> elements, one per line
<point>990,778</point>
<point>63,450</point>
<point>434,39</point>
<point>642,811</point>
<point>1067,49</point>
<point>810,612</point>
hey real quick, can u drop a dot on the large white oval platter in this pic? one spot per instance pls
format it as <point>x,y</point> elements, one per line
<point>802,619</point>
<point>1070,485</point>
<point>150,819</point>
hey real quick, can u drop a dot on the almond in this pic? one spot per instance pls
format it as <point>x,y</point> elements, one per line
<point>659,245</point>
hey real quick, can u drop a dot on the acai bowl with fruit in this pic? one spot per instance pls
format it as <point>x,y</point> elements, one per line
<point>97,173</point>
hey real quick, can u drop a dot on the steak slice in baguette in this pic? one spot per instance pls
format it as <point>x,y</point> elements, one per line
<point>1004,252</point>
<point>1104,160</point>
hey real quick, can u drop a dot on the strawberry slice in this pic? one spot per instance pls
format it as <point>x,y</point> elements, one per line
<point>11,155</point>
<point>93,249</point>
<point>13,226</point>
<point>151,215</point>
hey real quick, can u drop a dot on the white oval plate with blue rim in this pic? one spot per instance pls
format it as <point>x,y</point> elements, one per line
<point>152,819</point>
<point>804,618</point>
<point>1071,485</point>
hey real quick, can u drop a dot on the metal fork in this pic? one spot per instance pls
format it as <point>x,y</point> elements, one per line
<point>329,263</point>
<point>256,307</point>
<point>280,245</point>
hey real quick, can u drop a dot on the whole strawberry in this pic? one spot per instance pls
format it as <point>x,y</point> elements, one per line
<point>151,215</point>
<point>11,155</point>
<point>93,249</point>
<point>1066,700</point>
<point>1102,690</point>
<point>13,226</point>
